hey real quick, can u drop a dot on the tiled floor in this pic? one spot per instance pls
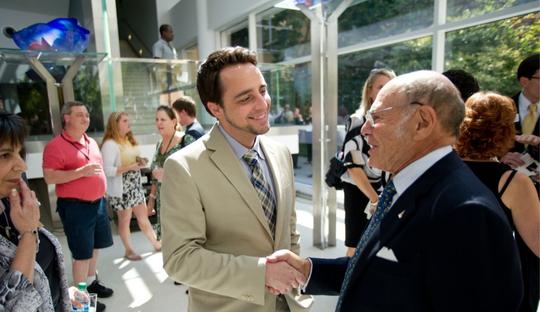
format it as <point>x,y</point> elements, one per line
<point>144,286</point>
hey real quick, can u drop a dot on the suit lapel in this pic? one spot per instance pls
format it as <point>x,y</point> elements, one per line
<point>226,161</point>
<point>275,166</point>
<point>404,209</point>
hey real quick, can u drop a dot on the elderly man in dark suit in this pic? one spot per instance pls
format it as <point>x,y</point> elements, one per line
<point>439,240</point>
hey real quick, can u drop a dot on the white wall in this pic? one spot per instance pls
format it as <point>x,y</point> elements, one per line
<point>183,19</point>
<point>220,13</point>
<point>163,10</point>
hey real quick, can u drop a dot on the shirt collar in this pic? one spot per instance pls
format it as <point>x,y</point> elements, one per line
<point>406,177</point>
<point>523,103</point>
<point>66,136</point>
<point>239,149</point>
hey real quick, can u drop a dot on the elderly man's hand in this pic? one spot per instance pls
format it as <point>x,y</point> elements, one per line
<point>288,269</point>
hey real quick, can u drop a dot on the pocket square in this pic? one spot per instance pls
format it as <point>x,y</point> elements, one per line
<point>387,253</point>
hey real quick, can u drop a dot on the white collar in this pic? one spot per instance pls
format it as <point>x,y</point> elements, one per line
<point>406,177</point>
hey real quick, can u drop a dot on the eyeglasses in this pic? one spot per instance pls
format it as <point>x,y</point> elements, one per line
<point>372,117</point>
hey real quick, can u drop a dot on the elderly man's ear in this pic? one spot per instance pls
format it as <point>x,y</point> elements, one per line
<point>426,122</point>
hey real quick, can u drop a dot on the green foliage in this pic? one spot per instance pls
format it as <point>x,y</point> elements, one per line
<point>285,34</point>
<point>87,90</point>
<point>240,38</point>
<point>354,68</point>
<point>374,19</point>
<point>463,9</point>
<point>492,52</point>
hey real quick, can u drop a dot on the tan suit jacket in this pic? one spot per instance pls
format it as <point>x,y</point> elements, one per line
<point>215,234</point>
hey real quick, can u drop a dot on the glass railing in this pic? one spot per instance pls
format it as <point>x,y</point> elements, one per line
<point>141,85</point>
<point>134,85</point>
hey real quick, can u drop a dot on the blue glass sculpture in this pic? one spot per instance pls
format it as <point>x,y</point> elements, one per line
<point>59,35</point>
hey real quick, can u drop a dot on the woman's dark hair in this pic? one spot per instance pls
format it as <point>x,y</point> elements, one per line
<point>465,82</point>
<point>12,129</point>
<point>168,110</point>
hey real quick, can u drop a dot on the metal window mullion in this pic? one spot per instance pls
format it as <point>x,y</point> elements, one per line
<point>438,42</point>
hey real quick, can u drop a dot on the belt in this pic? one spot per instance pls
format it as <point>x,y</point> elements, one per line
<point>80,201</point>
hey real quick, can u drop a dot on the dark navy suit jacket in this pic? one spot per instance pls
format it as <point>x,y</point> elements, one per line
<point>454,248</point>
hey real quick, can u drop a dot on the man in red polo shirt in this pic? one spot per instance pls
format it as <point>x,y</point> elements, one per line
<point>73,162</point>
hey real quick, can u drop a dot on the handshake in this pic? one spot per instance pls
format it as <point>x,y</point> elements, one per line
<point>285,270</point>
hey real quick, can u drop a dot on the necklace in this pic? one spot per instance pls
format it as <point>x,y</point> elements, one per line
<point>161,156</point>
<point>7,228</point>
<point>168,145</point>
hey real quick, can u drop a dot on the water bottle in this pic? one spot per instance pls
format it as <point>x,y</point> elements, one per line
<point>83,297</point>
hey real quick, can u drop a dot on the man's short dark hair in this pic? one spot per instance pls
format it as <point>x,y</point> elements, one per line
<point>208,81</point>
<point>187,104</point>
<point>163,28</point>
<point>464,82</point>
<point>529,66</point>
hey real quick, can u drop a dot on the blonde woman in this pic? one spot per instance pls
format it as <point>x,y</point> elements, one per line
<point>122,166</point>
<point>362,182</point>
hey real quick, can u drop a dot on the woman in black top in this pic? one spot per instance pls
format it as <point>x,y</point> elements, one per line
<point>487,133</point>
<point>362,182</point>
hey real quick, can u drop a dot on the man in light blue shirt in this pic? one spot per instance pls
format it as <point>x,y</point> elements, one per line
<point>163,49</point>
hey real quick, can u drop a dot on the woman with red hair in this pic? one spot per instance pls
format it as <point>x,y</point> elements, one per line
<point>486,134</point>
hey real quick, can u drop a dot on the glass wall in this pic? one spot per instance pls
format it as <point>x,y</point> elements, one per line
<point>24,92</point>
<point>376,19</point>
<point>240,37</point>
<point>463,9</point>
<point>354,68</point>
<point>485,37</point>
<point>144,84</point>
<point>290,90</point>
<point>494,64</point>
<point>282,35</point>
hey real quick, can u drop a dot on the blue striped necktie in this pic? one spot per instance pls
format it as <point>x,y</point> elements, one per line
<point>263,189</point>
<point>385,202</point>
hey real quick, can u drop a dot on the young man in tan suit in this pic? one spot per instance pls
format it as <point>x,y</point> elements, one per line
<point>228,199</point>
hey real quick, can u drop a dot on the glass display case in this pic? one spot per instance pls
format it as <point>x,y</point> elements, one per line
<point>34,84</point>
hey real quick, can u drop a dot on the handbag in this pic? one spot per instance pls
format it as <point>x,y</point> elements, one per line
<point>335,171</point>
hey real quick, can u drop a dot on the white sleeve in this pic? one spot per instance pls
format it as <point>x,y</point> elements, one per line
<point>110,153</point>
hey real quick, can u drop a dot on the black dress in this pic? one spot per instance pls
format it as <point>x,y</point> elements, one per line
<point>490,174</point>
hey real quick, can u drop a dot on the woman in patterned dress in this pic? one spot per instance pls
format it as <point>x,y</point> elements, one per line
<point>122,164</point>
<point>166,124</point>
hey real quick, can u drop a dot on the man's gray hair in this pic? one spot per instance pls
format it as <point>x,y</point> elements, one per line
<point>66,109</point>
<point>434,89</point>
